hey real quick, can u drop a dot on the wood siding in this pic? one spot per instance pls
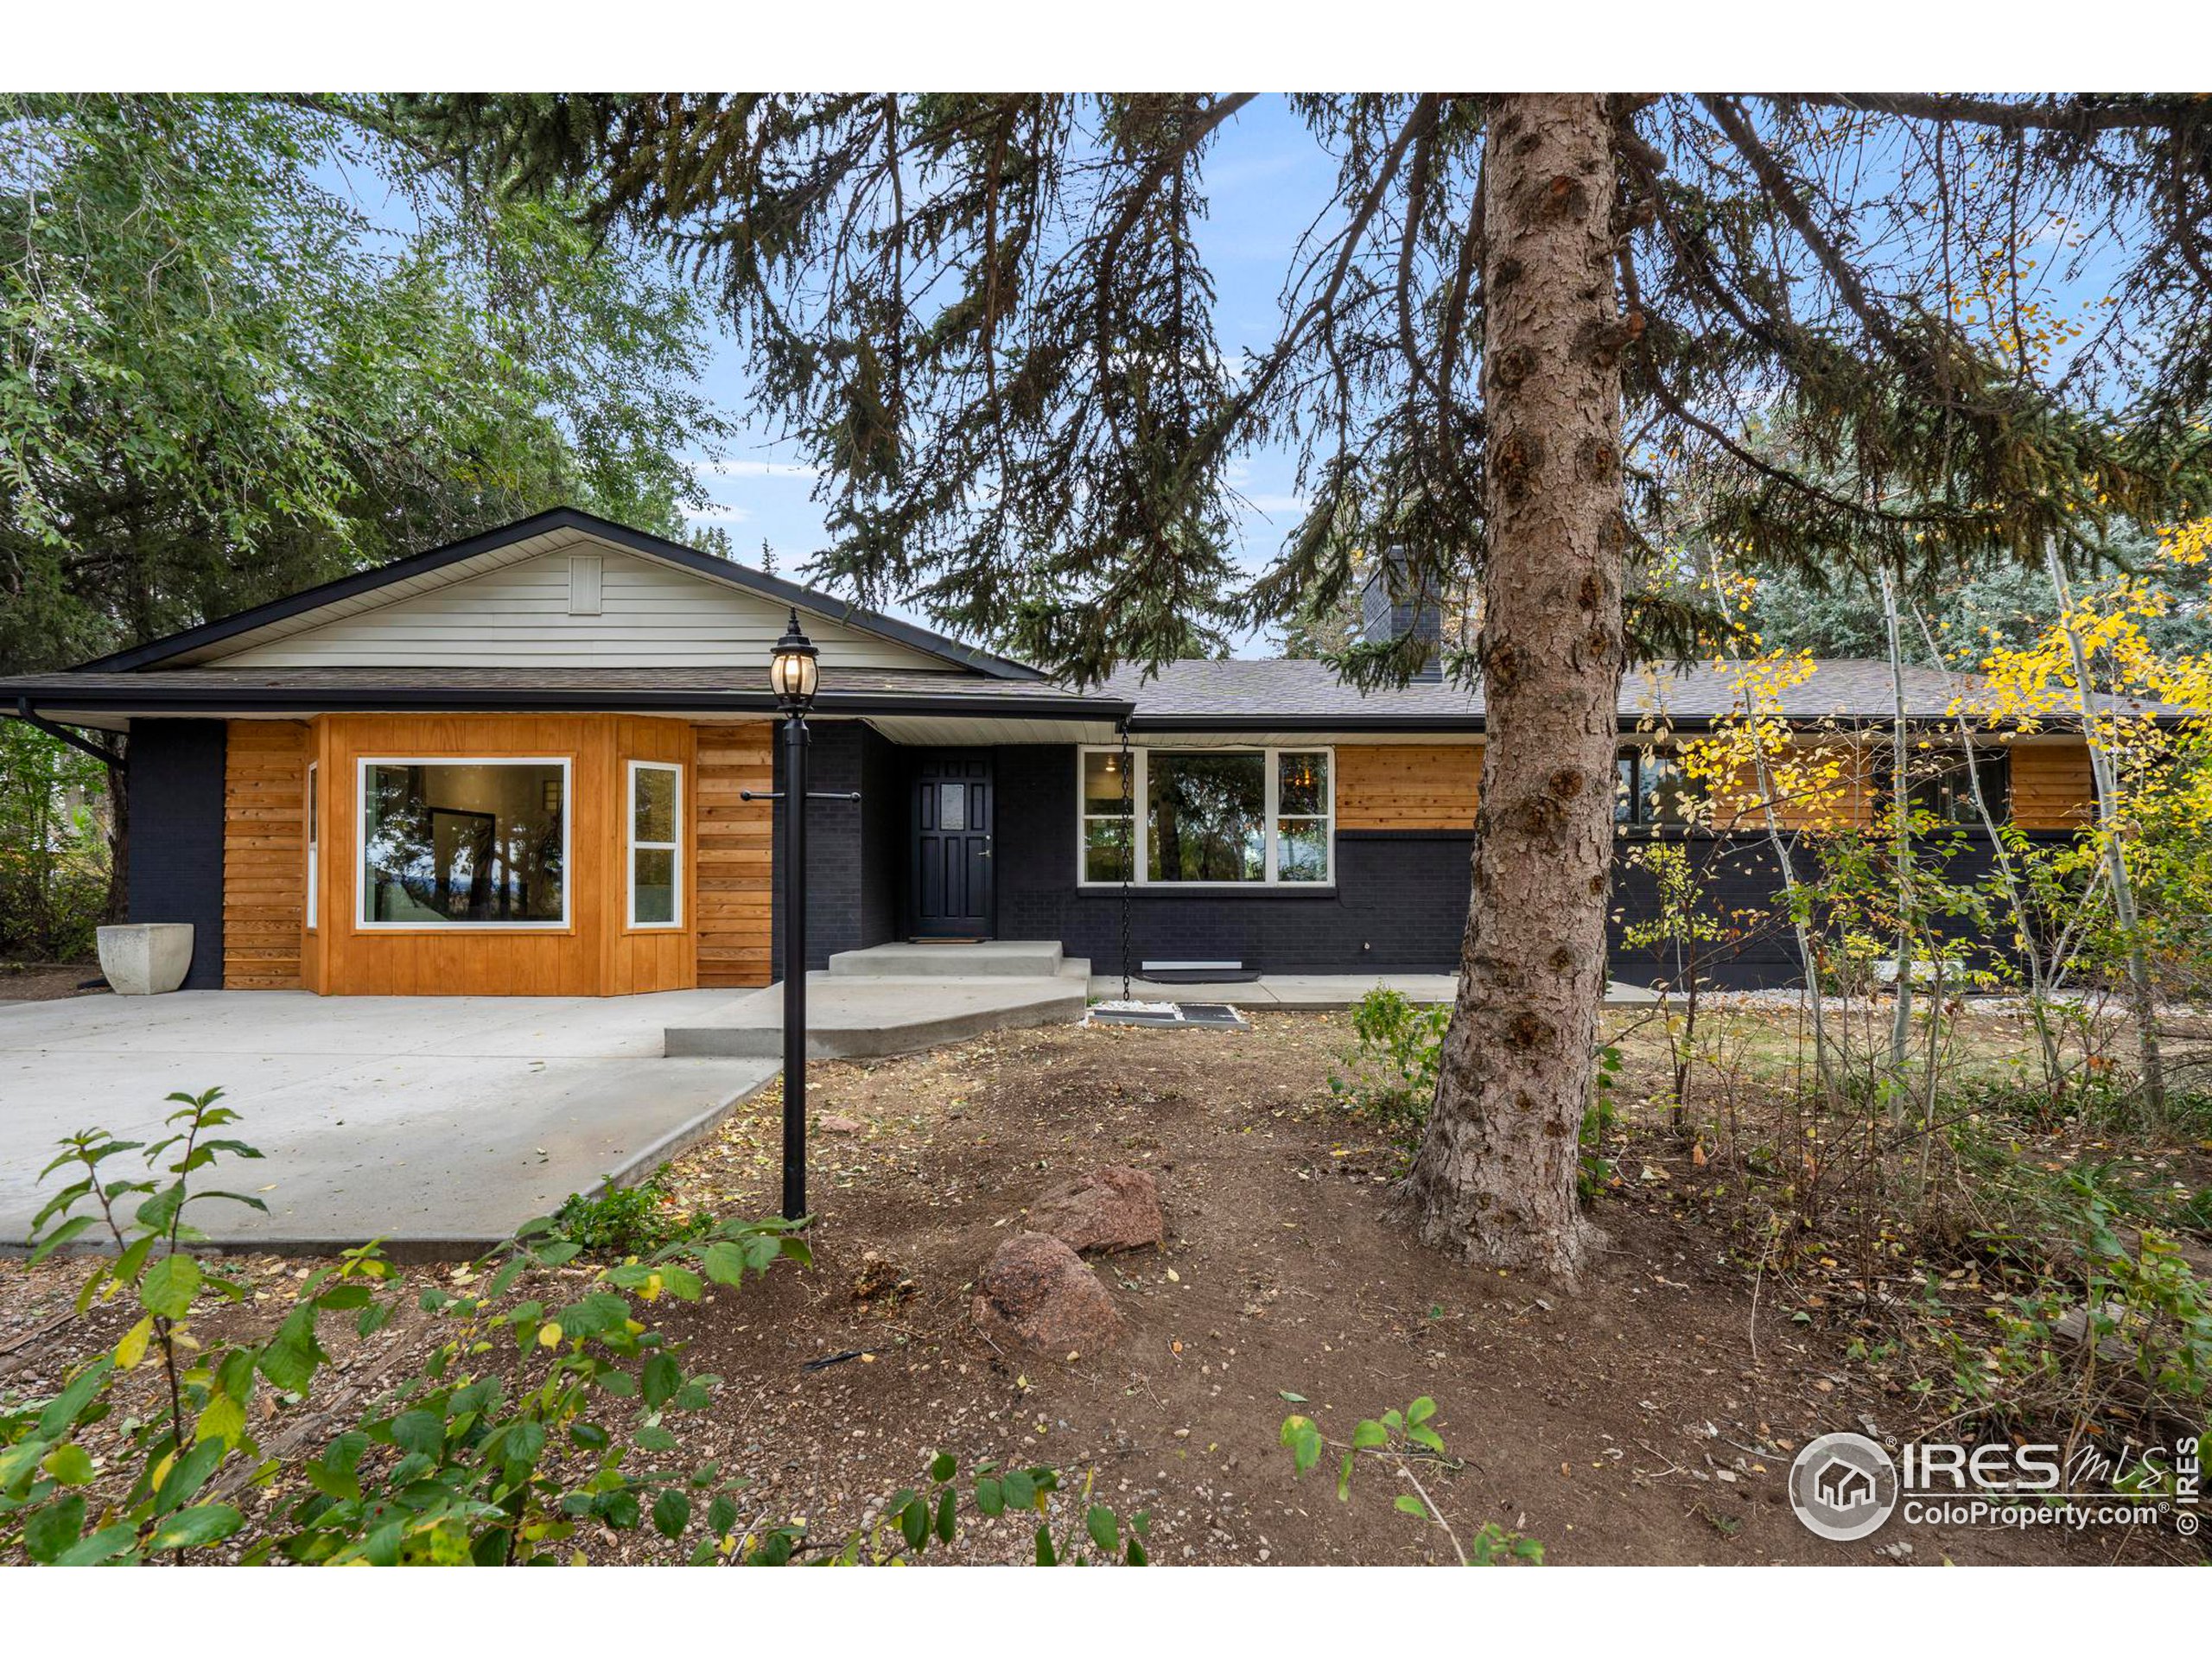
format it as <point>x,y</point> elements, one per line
<point>2052,788</point>
<point>1395,787</point>
<point>596,953</point>
<point>649,616</point>
<point>264,853</point>
<point>735,879</point>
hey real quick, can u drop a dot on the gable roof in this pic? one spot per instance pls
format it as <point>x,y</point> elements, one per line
<point>365,590</point>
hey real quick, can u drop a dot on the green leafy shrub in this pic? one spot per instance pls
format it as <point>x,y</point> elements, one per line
<point>629,1220</point>
<point>1392,1068</point>
<point>531,1423</point>
<point>1403,1438</point>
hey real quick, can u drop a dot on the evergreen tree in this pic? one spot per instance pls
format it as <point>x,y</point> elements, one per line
<point>1526,327</point>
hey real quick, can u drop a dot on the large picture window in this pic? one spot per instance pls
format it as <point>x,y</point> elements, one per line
<point>656,844</point>
<point>464,843</point>
<point>1226,818</point>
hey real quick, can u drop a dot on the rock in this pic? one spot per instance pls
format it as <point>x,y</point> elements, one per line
<point>1112,1208</point>
<point>1036,1292</point>
<point>835,1125</point>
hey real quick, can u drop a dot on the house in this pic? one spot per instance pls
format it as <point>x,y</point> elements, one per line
<point>519,764</point>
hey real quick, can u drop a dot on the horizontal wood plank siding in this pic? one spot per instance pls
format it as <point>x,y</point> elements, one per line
<point>264,853</point>
<point>735,881</point>
<point>650,615</point>
<point>2052,788</point>
<point>1404,787</point>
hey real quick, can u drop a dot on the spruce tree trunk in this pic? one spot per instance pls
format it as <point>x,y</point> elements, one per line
<point>1494,1178</point>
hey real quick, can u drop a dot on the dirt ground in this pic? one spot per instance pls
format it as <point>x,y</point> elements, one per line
<point>42,982</point>
<point>1649,1416</point>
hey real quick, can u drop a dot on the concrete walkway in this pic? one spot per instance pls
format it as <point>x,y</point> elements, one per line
<point>1283,990</point>
<point>1320,990</point>
<point>439,1123</point>
<point>894,999</point>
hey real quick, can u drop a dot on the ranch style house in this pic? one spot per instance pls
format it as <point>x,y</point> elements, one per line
<point>518,765</point>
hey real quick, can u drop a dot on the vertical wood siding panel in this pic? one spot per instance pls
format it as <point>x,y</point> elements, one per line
<point>264,853</point>
<point>733,879</point>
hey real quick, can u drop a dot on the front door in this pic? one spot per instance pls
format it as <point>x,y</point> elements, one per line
<point>950,888</point>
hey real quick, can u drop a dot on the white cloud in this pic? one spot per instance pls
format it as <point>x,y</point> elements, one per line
<point>719,514</point>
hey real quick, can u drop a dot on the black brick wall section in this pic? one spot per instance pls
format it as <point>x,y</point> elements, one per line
<point>845,898</point>
<point>176,862</point>
<point>1399,904</point>
<point>882,819</point>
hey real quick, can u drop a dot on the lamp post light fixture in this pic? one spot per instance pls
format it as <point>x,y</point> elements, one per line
<point>794,674</point>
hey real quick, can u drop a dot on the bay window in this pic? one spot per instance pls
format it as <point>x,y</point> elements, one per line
<point>1228,818</point>
<point>450,842</point>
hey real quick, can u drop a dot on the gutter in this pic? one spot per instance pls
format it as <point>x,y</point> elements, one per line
<point>474,699</point>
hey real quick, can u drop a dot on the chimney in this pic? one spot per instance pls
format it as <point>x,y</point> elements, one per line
<point>1390,610</point>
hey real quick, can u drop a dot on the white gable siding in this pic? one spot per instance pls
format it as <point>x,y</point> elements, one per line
<point>650,615</point>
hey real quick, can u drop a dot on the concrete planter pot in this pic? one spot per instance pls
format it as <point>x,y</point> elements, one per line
<point>146,958</point>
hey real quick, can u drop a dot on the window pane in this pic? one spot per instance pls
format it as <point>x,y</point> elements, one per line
<point>1103,783</point>
<point>1668,791</point>
<point>652,804</point>
<point>1304,786</point>
<point>1204,818</point>
<point>1624,802</point>
<point>1105,849</point>
<point>1301,850</point>
<point>653,889</point>
<point>470,843</point>
<point>952,806</point>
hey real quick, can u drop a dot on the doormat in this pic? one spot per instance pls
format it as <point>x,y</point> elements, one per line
<point>1213,1016</point>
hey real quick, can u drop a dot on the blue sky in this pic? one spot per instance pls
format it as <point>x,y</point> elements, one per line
<point>1266,178</point>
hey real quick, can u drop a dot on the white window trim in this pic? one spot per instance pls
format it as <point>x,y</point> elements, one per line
<point>361,921</point>
<point>1141,787</point>
<point>674,848</point>
<point>315,843</point>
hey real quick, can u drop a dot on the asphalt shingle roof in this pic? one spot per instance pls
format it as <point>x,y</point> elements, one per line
<point>1288,690</point>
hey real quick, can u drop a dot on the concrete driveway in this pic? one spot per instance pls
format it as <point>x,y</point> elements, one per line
<point>438,1124</point>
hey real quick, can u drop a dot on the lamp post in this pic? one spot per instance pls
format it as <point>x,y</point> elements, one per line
<point>793,675</point>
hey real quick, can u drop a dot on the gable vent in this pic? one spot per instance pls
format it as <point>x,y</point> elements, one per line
<point>584,581</point>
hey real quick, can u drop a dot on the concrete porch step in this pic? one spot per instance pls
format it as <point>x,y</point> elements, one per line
<point>865,1016</point>
<point>952,959</point>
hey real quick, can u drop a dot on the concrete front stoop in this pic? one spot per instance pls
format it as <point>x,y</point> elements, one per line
<point>894,999</point>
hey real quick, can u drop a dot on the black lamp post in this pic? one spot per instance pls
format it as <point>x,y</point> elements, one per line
<point>793,675</point>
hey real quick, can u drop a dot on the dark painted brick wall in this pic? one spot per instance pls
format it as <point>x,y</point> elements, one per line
<point>1399,904</point>
<point>852,849</point>
<point>174,871</point>
<point>882,818</point>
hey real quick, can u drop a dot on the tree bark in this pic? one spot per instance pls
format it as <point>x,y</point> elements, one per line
<point>1495,1176</point>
